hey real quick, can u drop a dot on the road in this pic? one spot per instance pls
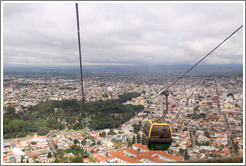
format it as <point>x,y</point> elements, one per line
<point>193,137</point>
<point>177,115</point>
<point>230,140</point>
<point>52,145</point>
<point>51,141</point>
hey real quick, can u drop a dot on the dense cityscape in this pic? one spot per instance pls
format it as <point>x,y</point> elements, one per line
<point>205,113</point>
<point>107,83</point>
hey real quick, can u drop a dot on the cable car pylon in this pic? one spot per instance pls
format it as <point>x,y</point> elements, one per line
<point>165,93</point>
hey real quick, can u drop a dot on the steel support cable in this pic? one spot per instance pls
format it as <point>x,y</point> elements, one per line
<point>201,60</point>
<point>80,60</point>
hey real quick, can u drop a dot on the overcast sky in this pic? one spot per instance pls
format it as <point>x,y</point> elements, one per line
<point>121,33</point>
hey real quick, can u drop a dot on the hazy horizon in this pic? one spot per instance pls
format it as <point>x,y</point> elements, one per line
<point>180,68</point>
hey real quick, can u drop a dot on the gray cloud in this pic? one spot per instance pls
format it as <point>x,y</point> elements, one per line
<point>121,33</point>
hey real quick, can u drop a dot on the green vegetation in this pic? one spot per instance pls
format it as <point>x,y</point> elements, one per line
<point>207,134</point>
<point>111,132</point>
<point>102,134</point>
<point>77,160</point>
<point>181,151</point>
<point>77,151</point>
<point>196,115</point>
<point>127,96</point>
<point>136,128</point>
<point>33,143</point>
<point>186,156</point>
<point>138,138</point>
<point>56,115</point>
<point>49,155</point>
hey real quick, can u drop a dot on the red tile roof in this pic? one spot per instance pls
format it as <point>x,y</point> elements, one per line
<point>132,151</point>
<point>150,155</point>
<point>168,155</point>
<point>147,155</point>
<point>85,159</point>
<point>141,146</point>
<point>227,151</point>
<point>121,156</point>
<point>35,136</point>
<point>96,132</point>
<point>112,153</point>
<point>75,136</point>
<point>100,157</point>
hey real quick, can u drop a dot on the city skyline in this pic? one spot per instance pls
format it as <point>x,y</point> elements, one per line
<point>121,33</point>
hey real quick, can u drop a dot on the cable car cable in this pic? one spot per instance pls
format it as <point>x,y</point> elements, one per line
<point>80,60</point>
<point>150,136</point>
<point>201,60</point>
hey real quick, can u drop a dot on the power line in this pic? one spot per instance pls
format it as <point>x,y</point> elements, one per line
<point>201,60</point>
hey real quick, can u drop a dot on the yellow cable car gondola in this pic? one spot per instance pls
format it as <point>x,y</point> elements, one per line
<point>157,135</point>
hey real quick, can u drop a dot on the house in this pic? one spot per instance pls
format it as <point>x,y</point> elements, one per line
<point>140,147</point>
<point>141,154</point>
<point>120,157</point>
<point>100,158</point>
<point>85,160</point>
<point>131,152</point>
<point>147,158</point>
<point>166,156</point>
<point>201,155</point>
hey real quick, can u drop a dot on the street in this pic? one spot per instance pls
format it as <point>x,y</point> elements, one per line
<point>225,119</point>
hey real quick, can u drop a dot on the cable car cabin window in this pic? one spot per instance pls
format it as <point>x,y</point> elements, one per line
<point>160,132</point>
<point>146,128</point>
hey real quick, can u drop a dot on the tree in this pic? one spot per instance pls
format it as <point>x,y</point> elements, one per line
<point>207,134</point>
<point>44,117</point>
<point>10,112</point>
<point>181,151</point>
<point>22,158</point>
<point>102,134</point>
<point>128,96</point>
<point>57,160</point>
<point>138,138</point>
<point>83,142</point>
<point>196,108</point>
<point>49,155</point>
<point>75,141</point>
<point>77,160</point>
<point>136,128</point>
<point>43,131</point>
<point>236,147</point>
<point>33,143</point>
<point>133,140</point>
<point>111,132</point>
<point>93,160</point>
<point>105,95</point>
<point>187,157</point>
<point>129,143</point>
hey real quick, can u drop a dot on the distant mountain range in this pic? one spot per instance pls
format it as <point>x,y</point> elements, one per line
<point>177,68</point>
